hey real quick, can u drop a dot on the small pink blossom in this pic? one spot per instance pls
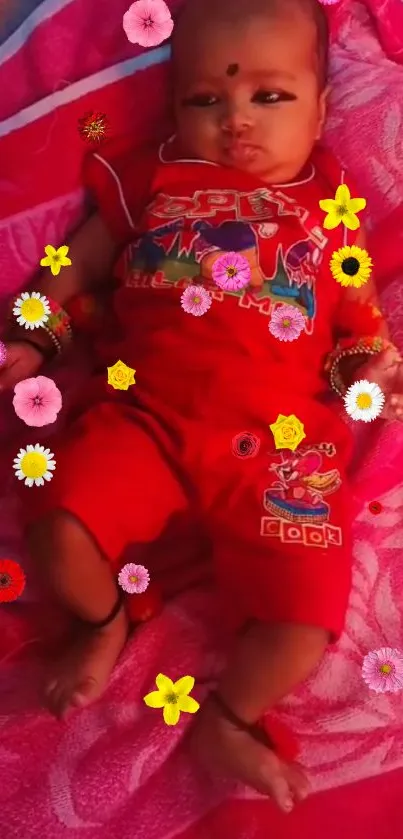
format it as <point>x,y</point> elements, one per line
<point>195,300</point>
<point>133,579</point>
<point>37,401</point>
<point>286,323</point>
<point>3,353</point>
<point>231,271</point>
<point>148,22</point>
<point>382,670</point>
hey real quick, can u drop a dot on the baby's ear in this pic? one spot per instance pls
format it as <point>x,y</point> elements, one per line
<point>323,99</point>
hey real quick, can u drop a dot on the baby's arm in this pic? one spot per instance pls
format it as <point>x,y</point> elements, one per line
<point>92,253</point>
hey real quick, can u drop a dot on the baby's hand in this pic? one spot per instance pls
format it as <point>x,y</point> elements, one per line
<point>386,370</point>
<point>219,745</point>
<point>22,361</point>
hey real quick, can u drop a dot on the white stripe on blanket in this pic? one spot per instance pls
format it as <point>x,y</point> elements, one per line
<point>78,89</point>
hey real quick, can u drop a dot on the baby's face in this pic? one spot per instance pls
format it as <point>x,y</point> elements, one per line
<point>249,97</point>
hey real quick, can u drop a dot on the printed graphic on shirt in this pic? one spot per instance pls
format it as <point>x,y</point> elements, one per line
<point>284,260</point>
<point>296,498</point>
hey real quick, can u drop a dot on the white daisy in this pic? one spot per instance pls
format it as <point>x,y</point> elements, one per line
<point>33,465</point>
<point>364,401</point>
<point>31,309</point>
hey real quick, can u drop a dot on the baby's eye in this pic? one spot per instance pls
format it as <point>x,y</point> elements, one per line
<point>200,100</point>
<point>271,97</point>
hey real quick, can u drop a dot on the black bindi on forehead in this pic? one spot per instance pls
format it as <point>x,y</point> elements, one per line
<point>232,69</point>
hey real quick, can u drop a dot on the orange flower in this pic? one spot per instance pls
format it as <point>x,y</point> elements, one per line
<point>12,580</point>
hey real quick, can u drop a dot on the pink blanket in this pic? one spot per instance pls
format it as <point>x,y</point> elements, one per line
<point>115,769</point>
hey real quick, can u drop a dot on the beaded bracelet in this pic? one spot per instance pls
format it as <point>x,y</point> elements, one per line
<point>57,326</point>
<point>347,348</point>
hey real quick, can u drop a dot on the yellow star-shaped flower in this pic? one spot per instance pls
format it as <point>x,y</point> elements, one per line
<point>120,376</point>
<point>342,209</point>
<point>288,432</point>
<point>173,697</point>
<point>56,259</point>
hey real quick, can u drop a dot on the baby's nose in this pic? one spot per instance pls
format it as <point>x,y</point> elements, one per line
<point>235,121</point>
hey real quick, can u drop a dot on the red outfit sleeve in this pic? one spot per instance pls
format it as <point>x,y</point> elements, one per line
<point>120,181</point>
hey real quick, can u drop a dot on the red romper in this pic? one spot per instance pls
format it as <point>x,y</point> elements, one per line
<point>279,521</point>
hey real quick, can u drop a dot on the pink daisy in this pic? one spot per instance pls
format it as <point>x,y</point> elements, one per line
<point>37,401</point>
<point>195,300</point>
<point>148,22</point>
<point>382,670</point>
<point>133,578</point>
<point>286,323</point>
<point>3,353</point>
<point>231,271</point>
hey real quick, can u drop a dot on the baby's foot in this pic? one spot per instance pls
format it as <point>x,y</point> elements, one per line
<point>219,745</point>
<point>82,672</point>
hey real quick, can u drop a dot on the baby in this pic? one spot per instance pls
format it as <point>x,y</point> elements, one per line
<point>243,176</point>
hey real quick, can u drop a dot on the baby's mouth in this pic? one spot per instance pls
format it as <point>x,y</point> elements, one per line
<point>240,153</point>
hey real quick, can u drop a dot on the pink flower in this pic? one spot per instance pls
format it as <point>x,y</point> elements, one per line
<point>148,22</point>
<point>231,271</point>
<point>37,401</point>
<point>3,353</point>
<point>195,300</point>
<point>133,578</point>
<point>286,323</point>
<point>382,670</point>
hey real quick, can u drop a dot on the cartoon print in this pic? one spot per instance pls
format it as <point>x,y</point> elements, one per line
<point>298,494</point>
<point>215,241</point>
<point>185,247</point>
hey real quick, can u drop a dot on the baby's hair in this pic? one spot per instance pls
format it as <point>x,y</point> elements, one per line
<point>195,12</point>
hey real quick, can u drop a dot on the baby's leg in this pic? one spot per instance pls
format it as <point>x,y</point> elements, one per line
<point>112,487</point>
<point>84,583</point>
<point>267,664</point>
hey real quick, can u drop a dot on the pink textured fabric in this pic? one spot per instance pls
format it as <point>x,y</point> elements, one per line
<point>115,769</point>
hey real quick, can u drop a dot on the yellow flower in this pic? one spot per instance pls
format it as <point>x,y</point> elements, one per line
<point>342,208</point>
<point>173,697</point>
<point>288,432</point>
<point>56,258</point>
<point>120,376</point>
<point>351,266</point>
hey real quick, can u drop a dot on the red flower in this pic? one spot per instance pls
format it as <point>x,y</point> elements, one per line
<point>375,507</point>
<point>12,580</point>
<point>93,126</point>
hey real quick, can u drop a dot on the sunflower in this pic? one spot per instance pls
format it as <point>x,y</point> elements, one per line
<point>351,266</point>
<point>12,580</point>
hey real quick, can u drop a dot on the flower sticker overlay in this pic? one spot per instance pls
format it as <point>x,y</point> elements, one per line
<point>31,309</point>
<point>37,401</point>
<point>382,670</point>
<point>34,465</point>
<point>173,697</point>
<point>12,580</point>
<point>56,259</point>
<point>93,127</point>
<point>245,445</point>
<point>196,300</point>
<point>286,323</point>
<point>133,579</point>
<point>148,23</point>
<point>288,432</point>
<point>120,376</point>
<point>3,353</point>
<point>375,507</point>
<point>351,266</point>
<point>231,271</point>
<point>364,401</point>
<point>342,209</point>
